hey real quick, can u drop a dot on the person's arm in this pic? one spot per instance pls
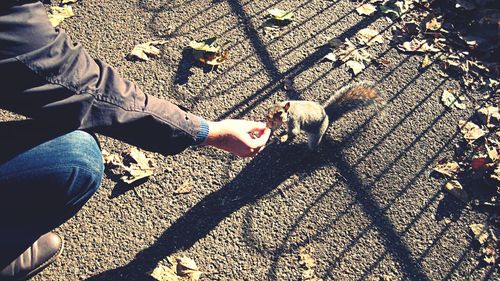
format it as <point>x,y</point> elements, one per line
<point>44,75</point>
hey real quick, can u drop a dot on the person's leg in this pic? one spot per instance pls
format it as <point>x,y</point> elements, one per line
<point>43,186</point>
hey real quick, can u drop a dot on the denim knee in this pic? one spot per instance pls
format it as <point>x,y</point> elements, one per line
<point>82,167</point>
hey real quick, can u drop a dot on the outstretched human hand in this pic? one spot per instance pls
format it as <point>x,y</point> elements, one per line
<point>241,137</point>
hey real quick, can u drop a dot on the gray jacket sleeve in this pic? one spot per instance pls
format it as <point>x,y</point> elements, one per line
<point>58,83</point>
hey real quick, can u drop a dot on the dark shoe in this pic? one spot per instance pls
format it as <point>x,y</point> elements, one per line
<point>43,252</point>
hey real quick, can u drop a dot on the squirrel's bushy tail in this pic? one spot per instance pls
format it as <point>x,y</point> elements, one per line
<point>351,97</point>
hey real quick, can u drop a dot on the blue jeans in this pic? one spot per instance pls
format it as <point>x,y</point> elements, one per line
<point>43,182</point>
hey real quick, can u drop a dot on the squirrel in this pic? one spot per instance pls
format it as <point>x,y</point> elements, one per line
<point>313,118</point>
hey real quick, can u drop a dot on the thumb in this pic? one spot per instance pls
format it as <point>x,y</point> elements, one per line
<point>262,139</point>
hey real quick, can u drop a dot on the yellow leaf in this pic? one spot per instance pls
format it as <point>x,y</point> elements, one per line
<point>426,61</point>
<point>280,15</point>
<point>144,50</point>
<point>59,14</point>
<point>68,1</point>
<point>163,273</point>
<point>480,232</point>
<point>205,45</point>
<point>366,9</point>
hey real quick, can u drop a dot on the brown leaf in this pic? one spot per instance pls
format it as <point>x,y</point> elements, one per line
<point>143,168</point>
<point>185,188</point>
<point>68,1</point>
<point>111,159</point>
<point>455,188</point>
<point>478,163</point>
<point>448,169</point>
<point>187,267</point>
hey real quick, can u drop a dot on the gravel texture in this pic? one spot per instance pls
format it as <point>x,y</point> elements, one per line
<point>366,201</point>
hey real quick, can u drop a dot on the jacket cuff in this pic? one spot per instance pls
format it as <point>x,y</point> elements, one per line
<point>202,133</point>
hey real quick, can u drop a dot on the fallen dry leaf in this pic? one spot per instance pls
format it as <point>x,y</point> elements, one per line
<point>492,153</point>
<point>331,57</point>
<point>348,51</point>
<point>478,163</point>
<point>433,24</point>
<point>163,273</point>
<point>450,101</point>
<point>480,232</point>
<point>489,253</point>
<point>188,268</point>
<point>111,159</point>
<point>395,9</point>
<point>142,168</point>
<point>144,50</point>
<point>455,188</point>
<point>418,46</point>
<point>369,36</point>
<point>280,15</point>
<point>205,45</point>
<point>212,58</point>
<point>471,131</point>
<point>68,1</point>
<point>59,14</point>
<point>448,169</point>
<point>366,9</point>
<point>426,61</point>
<point>305,258</point>
<point>489,116</point>
<point>355,66</point>
<point>185,188</point>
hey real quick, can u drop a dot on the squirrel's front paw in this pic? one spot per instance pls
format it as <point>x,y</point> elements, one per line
<point>284,138</point>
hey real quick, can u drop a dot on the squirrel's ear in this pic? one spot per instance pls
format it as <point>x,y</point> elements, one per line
<point>287,106</point>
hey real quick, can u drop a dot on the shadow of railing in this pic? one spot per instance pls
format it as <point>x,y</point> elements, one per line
<point>267,171</point>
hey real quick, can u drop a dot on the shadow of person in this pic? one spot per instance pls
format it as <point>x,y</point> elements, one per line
<point>262,174</point>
